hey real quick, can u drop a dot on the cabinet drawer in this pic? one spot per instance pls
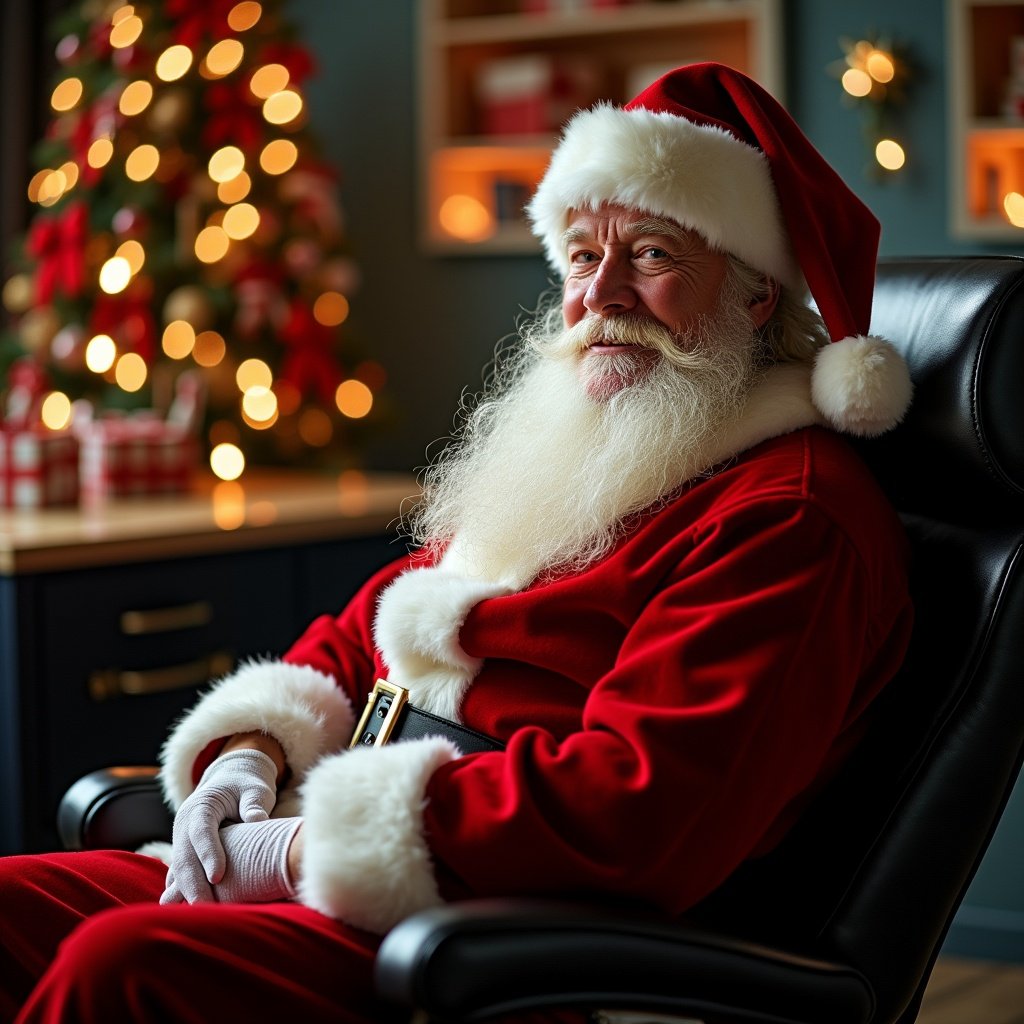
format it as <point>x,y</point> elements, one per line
<point>122,651</point>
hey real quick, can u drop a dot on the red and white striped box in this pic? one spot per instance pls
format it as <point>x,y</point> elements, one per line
<point>38,468</point>
<point>132,457</point>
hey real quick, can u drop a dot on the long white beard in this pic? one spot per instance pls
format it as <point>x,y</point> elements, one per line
<point>544,477</point>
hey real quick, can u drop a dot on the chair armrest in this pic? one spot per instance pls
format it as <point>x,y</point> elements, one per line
<point>113,808</point>
<point>468,961</point>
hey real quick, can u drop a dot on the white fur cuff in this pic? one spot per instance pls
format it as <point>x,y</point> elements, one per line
<point>365,858</point>
<point>304,710</point>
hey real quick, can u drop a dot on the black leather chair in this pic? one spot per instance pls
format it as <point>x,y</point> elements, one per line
<point>843,922</point>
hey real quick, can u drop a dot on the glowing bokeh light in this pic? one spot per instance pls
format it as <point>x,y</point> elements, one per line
<point>100,353</point>
<point>133,252</point>
<point>226,163</point>
<point>212,244</point>
<point>224,57</point>
<point>126,32</point>
<point>67,94</point>
<point>130,372</point>
<point>330,309</point>
<point>354,399</point>
<point>279,156</point>
<point>282,107</point>
<point>466,217</point>
<point>243,16</point>
<point>889,153</point>
<point>55,411</point>
<point>856,82</point>
<point>115,275</point>
<point>178,339</point>
<point>880,66</point>
<point>252,373</point>
<point>174,63</point>
<point>210,349</point>
<point>99,153</point>
<point>269,79</point>
<point>135,98</point>
<point>227,461</point>
<point>235,190</point>
<point>259,403</point>
<point>142,162</point>
<point>241,221</point>
<point>1013,204</point>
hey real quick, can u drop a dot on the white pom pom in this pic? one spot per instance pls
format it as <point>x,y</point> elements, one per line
<point>861,385</point>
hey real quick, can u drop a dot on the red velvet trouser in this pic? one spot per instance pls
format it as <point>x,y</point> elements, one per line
<point>83,940</point>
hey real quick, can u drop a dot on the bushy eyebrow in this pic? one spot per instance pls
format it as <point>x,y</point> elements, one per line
<point>644,226</point>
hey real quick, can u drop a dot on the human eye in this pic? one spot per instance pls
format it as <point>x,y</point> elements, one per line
<point>582,257</point>
<point>653,252</point>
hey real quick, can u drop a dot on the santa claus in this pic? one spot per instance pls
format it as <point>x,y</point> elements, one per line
<point>654,595</point>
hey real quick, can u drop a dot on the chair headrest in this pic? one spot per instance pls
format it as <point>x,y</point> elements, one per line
<point>959,323</point>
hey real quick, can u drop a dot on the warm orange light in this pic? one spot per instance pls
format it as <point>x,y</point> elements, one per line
<point>209,349</point>
<point>244,15</point>
<point>889,153</point>
<point>179,339</point>
<point>70,172</point>
<point>212,244</point>
<point>174,63</point>
<point>130,372</point>
<point>241,221</point>
<point>133,252</point>
<point>279,156</point>
<point>259,403</point>
<point>856,82</point>
<point>330,309</point>
<point>225,56</point>
<point>66,95</point>
<point>142,162</point>
<point>56,410</point>
<point>126,31</point>
<point>354,399</point>
<point>228,501</point>
<point>466,217</point>
<point>253,373</point>
<point>135,98</point>
<point>268,79</point>
<point>282,107</point>
<point>226,163</point>
<point>880,66</point>
<point>99,153</point>
<point>1013,204</point>
<point>235,190</point>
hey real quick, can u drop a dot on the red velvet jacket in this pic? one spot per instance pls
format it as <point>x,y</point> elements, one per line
<point>667,711</point>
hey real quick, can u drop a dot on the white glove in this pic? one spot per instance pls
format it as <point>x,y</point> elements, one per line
<point>257,863</point>
<point>237,786</point>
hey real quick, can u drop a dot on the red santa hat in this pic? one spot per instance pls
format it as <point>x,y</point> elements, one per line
<point>712,150</point>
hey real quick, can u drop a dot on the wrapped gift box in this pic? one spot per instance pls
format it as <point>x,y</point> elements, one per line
<point>135,456</point>
<point>38,467</point>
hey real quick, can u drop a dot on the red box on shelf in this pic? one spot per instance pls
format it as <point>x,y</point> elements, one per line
<point>135,456</point>
<point>38,468</point>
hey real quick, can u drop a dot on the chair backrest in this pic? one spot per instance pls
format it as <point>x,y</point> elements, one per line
<point>876,869</point>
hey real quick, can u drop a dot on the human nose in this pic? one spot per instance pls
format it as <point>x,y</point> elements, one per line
<point>610,292</point>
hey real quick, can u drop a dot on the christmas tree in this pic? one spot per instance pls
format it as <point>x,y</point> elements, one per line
<point>183,219</point>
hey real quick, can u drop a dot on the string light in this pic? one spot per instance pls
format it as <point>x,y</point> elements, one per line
<point>856,82</point>
<point>235,189</point>
<point>224,57</point>
<point>99,153</point>
<point>210,349</point>
<point>142,162</point>
<point>55,411</point>
<point>130,372</point>
<point>226,163</point>
<point>279,156</point>
<point>126,32</point>
<point>244,15</point>
<point>179,338</point>
<point>267,80</point>
<point>136,97</point>
<point>227,461</point>
<point>115,275</point>
<point>890,154</point>
<point>121,13</point>
<point>330,309</point>
<point>174,63</point>
<point>66,95</point>
<point>282,107</point>
<point>252,373</point>
<point>354,399</point>
<point>1013,205</point>
<point>259,403</point>
<point>70,172</point>
<point>100,353</point>
<point>212,244</point>
<point>241,221</point>
<point>133,252</point>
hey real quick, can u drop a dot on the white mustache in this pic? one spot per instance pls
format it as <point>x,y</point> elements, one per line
<point>625,329</point>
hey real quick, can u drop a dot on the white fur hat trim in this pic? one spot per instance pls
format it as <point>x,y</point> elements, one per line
<point>700,176</point>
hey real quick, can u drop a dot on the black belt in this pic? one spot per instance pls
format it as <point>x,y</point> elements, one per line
<point>389,717</point>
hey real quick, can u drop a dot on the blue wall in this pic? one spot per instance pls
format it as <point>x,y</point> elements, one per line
<point>433,322</point>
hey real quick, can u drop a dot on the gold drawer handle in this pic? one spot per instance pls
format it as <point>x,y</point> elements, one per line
<point>112,682</point>
<point>163,620</point>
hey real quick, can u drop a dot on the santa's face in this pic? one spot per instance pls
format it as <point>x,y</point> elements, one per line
<point>623,261</point>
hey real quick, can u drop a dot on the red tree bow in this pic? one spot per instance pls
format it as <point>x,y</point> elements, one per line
<point>58,245</point>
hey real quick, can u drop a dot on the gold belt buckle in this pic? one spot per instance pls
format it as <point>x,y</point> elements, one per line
<point>384,704</point>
